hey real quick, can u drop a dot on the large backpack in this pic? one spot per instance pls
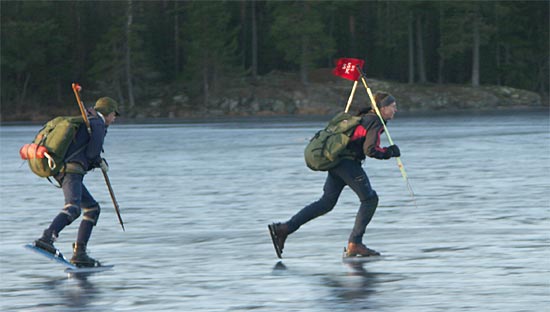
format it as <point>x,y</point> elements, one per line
<point>47,153</point>
<point>324,150</point>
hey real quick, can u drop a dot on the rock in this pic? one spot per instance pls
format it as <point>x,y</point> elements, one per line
<point>155,103</point>
<point>180,99</point>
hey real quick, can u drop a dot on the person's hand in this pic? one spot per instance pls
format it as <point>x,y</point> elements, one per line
<point>392,151</point>
<point>395,150</point>
<point>104,165</point>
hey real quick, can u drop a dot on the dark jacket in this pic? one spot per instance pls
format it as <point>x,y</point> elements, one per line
<point>365,140</point>
<point>88,157</point>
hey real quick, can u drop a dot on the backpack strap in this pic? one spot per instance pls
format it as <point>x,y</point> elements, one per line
<point>50,180</point>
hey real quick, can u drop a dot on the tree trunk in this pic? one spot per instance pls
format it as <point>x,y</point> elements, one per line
<point>254,41</point>
<point>440,70</point>
<point>23,94</point>
<point>304,50</point>
<point>243,31</point>
<point>303,61</point>
<point>128,64</point>
<point>475,47</point>
<point>330,61</point>
<point>176,40</point>
<point>411,48</point>
<point>441,56</point>
<point>352,34</point>
<point>497,45</point>
<point>205,85</point>
<point>118,89</point>
<point>80,46</point>
<point>420,51</point>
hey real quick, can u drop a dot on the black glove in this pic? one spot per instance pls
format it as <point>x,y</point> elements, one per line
<point>392,151</point>
<point>395,150</point>
<point>388,153</point>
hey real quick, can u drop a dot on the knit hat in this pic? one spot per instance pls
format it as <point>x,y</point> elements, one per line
<point>387,101</point>
<point>106,105</point>
<point>383,99</point>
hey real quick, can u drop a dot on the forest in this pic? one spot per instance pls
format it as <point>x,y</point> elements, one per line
<point>137,51</point>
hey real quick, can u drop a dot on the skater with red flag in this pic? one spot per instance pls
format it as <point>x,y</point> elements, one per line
<point>362,141</point>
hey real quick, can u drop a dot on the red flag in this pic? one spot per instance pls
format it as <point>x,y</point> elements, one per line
<point>345,68</point>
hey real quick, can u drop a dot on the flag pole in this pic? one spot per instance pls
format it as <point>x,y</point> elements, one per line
<point>345,68</point>
<point>399,162</point>
<point>350,99</point>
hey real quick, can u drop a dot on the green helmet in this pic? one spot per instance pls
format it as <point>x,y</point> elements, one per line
<point>106,105</point>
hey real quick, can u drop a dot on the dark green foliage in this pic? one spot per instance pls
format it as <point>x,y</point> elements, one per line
<point>202,46</point>
<point>210,41</point>
<point>299,33</point>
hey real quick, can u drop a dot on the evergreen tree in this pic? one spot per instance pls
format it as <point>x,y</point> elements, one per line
<point>522,45</point>
<point>131,48</point>
<point>298,32</point>
<point>33,50</point>
<point>120,65</point>
<point>210,41</point>
<point>463,30</point>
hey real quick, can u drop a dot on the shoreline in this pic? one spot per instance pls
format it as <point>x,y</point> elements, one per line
<point>304,117</point>
<point>280,94</point>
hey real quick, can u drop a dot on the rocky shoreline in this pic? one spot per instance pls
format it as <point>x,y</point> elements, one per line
<point>281,94</point>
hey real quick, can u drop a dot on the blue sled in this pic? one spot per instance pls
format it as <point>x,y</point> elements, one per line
<point>70,268</point>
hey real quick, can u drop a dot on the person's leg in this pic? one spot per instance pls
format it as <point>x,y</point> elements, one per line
<point>352,173</point>
<point>90,216</point>
<point>71,185</point>
<point>91,211</point>
<point>331,191</point>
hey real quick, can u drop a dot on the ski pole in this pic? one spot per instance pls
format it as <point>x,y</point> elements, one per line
<point>115,203</point>
<point>399,162</point>
<point>76,90</point>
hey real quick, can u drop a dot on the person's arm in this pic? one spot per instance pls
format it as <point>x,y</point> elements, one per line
<point>95,145</point>
<point>371,146</point>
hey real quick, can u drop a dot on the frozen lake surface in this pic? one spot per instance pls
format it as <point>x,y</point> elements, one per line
<point>196,199</point>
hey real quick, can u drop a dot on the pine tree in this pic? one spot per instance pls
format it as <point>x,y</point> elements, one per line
<point>298,33</point>
<point>210,41</point>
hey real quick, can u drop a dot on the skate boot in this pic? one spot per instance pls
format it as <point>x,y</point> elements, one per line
<point>80,257</point>
<point>279,233</point>
<point>46,242</point>
<point>360,250</point>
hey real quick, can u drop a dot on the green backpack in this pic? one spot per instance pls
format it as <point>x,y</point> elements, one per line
<point>46,154</point>
<point>324,150</point>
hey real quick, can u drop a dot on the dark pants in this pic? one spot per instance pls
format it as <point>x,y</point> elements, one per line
<point>77,199</point>
<point>348,172</point>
